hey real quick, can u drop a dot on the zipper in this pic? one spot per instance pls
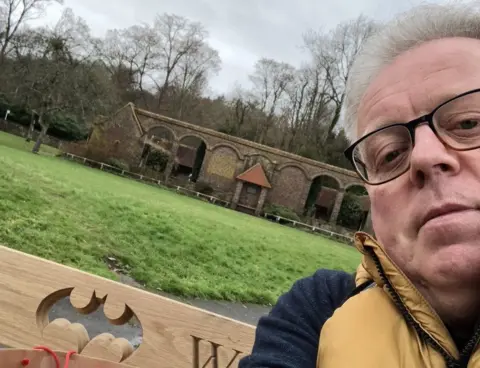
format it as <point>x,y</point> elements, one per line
<point>451,362</point>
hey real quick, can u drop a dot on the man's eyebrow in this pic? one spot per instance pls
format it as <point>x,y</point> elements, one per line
<point>382,124</point>
<point>436,100</point>
<point>446,96</point>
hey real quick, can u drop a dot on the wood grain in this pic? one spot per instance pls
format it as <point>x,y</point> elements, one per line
<point>174,334</point>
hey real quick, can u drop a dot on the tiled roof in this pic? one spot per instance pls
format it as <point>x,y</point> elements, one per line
<point>255,175</point>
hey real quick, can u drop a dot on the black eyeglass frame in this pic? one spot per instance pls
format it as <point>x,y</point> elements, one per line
<point>411,126</point>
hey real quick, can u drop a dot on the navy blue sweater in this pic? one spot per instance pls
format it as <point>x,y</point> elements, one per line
<point>288,337</point>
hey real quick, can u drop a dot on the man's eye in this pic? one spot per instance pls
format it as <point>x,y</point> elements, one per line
<point>468,124</point>
<point>389,157</point>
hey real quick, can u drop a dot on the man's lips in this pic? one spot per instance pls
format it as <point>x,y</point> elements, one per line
<point>444,209</point>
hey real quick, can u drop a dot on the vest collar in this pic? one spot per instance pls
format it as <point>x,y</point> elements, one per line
<point>377,266</point>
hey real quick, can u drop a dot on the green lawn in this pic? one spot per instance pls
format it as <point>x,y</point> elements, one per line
<point>80,216</point>
<point>12,141</point>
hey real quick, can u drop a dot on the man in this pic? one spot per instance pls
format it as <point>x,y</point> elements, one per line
<point>412,111</point>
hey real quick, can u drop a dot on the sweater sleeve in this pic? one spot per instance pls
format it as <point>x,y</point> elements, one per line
<point>288,336</point>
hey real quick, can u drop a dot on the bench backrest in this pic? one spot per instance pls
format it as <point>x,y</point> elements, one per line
<point>174,334</point>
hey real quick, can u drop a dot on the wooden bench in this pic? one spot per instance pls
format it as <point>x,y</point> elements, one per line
<point>174,334</point>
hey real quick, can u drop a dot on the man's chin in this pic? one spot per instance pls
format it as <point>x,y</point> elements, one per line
<point>454,263</point>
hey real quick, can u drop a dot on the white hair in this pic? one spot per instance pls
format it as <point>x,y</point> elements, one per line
<point>421,24</point>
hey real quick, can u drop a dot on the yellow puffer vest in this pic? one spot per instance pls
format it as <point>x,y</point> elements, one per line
<point>389,325</point>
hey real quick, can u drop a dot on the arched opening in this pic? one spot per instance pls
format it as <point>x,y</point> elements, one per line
<point>321,197</point>
<point>265,161</point>
<point>189,160</point>
<point>354,209</point>
<point>157,149</point>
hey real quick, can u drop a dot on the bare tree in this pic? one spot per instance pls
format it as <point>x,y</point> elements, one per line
<point>130,56</point>
<point>240,107</point>
<point>170,56</point>
<point>334,53</point>
<point>58,74</point>
<point>144,53</point>
<point>118,53</point>
<point>191,77</point>
<point>270,79</point>
<point>295,112</point>
<point>178,38</point>
<point>14,14</point>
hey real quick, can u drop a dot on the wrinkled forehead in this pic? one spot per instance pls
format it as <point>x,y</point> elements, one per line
<point>418,80</point>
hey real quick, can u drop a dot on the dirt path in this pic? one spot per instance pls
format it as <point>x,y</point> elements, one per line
<point>248,313</point>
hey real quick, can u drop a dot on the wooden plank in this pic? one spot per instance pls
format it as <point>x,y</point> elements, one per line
<point>174,334</point>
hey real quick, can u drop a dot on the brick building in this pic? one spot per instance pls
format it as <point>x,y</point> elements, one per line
<point>243,172</point>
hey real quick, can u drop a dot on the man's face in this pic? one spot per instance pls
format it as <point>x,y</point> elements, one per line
<point>446,249</point>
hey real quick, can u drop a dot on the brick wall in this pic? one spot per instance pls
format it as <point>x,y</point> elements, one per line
<point>289,187</point>
<point>226,157</point>
<point>118,139</point>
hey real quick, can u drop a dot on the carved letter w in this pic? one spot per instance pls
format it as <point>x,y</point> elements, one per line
<point>212,360</point>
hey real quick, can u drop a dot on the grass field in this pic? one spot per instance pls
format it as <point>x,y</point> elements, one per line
<point>79,216</point>
<point>12,141</point>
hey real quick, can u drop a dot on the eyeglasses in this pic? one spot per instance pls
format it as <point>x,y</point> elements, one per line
<point>384,154</point>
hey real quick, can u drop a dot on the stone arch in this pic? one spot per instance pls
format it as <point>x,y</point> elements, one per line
<point>158,146</point>
<point>289,184</point>
<point>228,145</point>
<point>267,163</point>
<point>198,136</point>
<point>351,185</point>
<point>260,155</point>
<point>189,157</point>
<point>339,182</point>
<point>324,197</point>
<point>291,164</point>
<point>355,207</point>
<point>224,162</point>
<point>165,127</point>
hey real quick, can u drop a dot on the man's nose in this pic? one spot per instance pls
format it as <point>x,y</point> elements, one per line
<point>431,157</point>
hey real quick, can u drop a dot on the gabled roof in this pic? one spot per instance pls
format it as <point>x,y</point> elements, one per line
<point>129,108</point>
<point>255,175</point>
<point>135,118</point>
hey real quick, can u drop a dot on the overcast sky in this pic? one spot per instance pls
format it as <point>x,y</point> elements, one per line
<point>242,31</point>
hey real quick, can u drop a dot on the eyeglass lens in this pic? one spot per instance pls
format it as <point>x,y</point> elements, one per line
<point>385,154</point>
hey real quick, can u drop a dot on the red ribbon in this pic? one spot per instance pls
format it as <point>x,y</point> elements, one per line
<point>26,361</point>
